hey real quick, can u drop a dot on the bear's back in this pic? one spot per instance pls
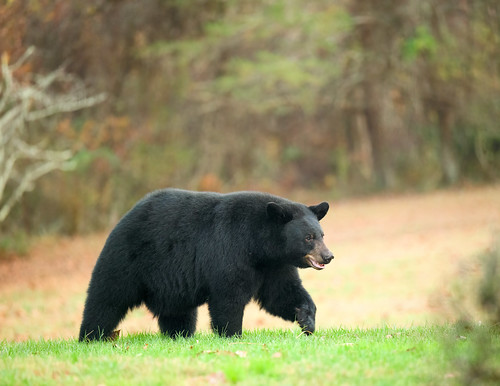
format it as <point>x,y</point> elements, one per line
<point>191,223</point>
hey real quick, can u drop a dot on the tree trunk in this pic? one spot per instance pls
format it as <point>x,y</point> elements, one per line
<point>449,165</point>
<point>371,114</point>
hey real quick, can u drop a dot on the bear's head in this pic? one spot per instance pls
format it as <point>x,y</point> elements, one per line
<point>301,233</point>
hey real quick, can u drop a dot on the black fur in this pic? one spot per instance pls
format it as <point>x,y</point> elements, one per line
<point>176,250</point>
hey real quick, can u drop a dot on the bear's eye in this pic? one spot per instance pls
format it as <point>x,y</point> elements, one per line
<point>309,237</point>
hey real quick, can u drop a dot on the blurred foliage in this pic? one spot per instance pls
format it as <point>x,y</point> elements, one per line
<point>345,96</point>
<point>475,302</point>
<point>475,295</point>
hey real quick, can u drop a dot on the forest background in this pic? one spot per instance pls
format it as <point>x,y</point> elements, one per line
<point>346,97</point>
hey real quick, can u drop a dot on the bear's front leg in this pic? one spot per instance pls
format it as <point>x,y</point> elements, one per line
<point>283,295</point>
<point>306,316</point>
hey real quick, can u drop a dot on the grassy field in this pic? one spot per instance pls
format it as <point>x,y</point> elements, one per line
<point>398,263</point>
<point>419,355</point>
<point>396,258</point>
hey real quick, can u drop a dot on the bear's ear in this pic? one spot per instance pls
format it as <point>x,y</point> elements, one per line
<point>277,213</point>
<point>320,210</point>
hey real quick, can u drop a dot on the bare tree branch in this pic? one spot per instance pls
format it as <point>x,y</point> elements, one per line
<point>22,104</point>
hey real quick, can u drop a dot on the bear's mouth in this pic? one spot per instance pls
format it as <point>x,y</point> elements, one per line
<point>313,263</point>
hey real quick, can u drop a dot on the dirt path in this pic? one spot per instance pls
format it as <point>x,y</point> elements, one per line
<point>395,257</point>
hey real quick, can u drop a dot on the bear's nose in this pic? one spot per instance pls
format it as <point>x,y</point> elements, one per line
<point>327,257</point>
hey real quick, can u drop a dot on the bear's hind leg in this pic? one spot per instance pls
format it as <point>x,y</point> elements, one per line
<point>178,325</point>
<point>226,319</point>
<point>99,321</point>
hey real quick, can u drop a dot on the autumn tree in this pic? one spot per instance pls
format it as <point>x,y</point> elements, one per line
<point>26,105</point>
<point>373,45</point>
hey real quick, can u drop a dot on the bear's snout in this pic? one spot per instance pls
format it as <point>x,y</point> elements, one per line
<point>327,256</point>
<point>323,253</point>
<point>319,256</point>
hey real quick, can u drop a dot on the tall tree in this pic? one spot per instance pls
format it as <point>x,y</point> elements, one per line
<point>442,74</point>
<point>374,36</point>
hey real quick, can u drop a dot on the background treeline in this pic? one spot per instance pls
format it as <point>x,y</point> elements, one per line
<point>345,96</point>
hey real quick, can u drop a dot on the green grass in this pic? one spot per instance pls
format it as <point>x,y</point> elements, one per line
<point>383,356</point>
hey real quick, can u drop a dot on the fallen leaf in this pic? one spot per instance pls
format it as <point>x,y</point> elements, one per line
<point>209,352</point>
<point>277,355</point>
<point>218,352</point>
<point>114,335</point>
<point>212,379</point>
<point>240,343</point>
<point>216,378</point>
<point>241,354</point>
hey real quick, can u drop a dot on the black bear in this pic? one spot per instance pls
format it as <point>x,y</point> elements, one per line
<point>176,250</point>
